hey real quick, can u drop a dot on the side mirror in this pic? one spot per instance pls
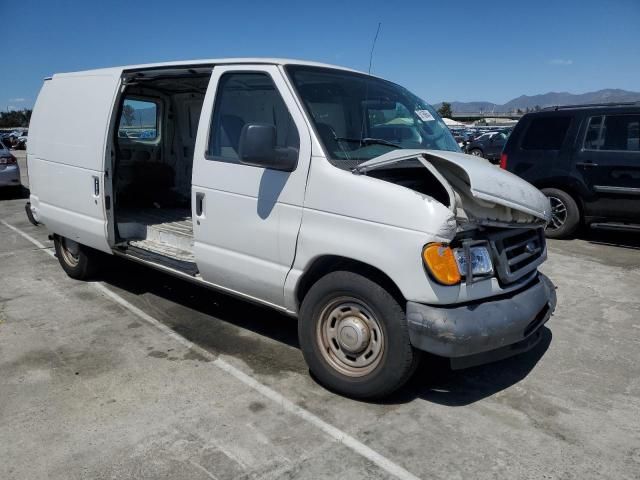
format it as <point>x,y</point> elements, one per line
<point>258,148</point>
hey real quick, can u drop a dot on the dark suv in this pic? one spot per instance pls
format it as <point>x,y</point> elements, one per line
<point>586,159</point>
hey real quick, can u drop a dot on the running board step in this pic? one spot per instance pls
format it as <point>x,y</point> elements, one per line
<point>617,226</point>
<point>165,249</point>
<point>165,255</point>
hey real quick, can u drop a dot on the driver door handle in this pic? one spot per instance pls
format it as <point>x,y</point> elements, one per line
<point>586,164</point>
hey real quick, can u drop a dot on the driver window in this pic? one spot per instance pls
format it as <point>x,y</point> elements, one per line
<point>241,99</point>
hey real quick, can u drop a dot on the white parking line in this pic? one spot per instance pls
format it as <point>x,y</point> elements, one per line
<point>290,407</point>
<point>37,243</point>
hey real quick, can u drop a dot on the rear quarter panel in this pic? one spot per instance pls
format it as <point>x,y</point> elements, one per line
<point>540,167</point>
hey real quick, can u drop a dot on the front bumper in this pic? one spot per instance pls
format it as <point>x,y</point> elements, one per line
<point>9,175</point>
<point>484,331</point>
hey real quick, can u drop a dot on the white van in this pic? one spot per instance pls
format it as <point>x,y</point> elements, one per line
<point>325,193</point>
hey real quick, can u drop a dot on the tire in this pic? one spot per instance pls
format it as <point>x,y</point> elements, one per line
<point>476,152</point>
<point>341,358</point>
<point>76,260</point>
<point>565,214</point>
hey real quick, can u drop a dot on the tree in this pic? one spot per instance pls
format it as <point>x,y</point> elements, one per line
<point>15,118</point>
<point>129,114</point>
<point>445,110</point>
<point>519,110</point>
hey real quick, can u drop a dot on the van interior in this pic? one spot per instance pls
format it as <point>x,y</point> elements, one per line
<point>154,138</point>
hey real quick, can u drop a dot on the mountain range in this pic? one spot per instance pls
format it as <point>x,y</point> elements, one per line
<point>550,99</point>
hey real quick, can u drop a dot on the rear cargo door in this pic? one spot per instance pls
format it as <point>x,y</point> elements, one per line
<point>67,152</point>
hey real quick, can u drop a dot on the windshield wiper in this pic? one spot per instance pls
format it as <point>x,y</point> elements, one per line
<point>368,141</point>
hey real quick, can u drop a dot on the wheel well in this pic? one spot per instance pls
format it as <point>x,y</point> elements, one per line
<point>332,263</point>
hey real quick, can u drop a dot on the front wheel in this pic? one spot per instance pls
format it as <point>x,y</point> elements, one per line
<point>565,214</point>
<point>76,260</point>
<point>354,336</point>
<point>476,152</point>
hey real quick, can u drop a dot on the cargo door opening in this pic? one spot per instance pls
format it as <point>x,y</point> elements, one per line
<point>154,142</point>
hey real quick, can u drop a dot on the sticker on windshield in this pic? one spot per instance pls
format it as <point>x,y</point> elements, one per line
<point>424,115</point>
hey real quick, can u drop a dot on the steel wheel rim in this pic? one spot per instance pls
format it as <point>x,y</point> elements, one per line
<point>70,251</point>
<point>558,213</point>
<point>350,337</point>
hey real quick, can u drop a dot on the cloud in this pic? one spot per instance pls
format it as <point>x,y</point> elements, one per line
<point>18,100</point>
<point>12,107</point>
<point>561,61</point>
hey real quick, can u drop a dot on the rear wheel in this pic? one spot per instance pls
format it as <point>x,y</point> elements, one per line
<point>565,214</point>
<point>77,261</point>
<point>354,337</point>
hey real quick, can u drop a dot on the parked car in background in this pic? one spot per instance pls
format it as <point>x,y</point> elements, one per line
<point>488,145</point>
<point>21,141</point>
<point>16,139</point>
<point>462,138</point>
<point>9,169</point>
<point>586,159</point>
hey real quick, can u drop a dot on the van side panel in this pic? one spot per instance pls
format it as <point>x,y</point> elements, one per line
<point>66,155</point>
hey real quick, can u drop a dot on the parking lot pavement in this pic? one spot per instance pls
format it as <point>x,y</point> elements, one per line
<point>141,375</point>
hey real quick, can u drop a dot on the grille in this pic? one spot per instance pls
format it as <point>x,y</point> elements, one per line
<point>518,252</point>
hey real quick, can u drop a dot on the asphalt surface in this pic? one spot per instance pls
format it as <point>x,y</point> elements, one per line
<point>143,376</point>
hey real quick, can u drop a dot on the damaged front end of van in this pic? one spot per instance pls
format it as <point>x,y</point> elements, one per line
<point>496,240</point>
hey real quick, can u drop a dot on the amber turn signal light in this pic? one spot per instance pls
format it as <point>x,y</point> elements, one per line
<point>441,263</point>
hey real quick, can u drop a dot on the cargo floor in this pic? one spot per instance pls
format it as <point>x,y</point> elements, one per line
<point>167,232</point>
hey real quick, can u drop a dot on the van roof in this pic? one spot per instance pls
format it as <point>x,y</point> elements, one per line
<point>200,63</point>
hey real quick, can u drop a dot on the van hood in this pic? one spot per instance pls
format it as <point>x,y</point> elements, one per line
<point>478,190</point>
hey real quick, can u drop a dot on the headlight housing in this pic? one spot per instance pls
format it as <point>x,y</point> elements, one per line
<point>447,266</point>
<point>480,260</point>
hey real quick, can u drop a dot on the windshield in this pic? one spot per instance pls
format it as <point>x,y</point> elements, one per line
<point>359,117</point>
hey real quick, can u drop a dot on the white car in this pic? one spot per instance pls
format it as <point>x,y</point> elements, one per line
<point>327,194</point>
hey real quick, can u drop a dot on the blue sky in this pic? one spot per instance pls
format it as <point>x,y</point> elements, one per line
<point>447,50</point>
